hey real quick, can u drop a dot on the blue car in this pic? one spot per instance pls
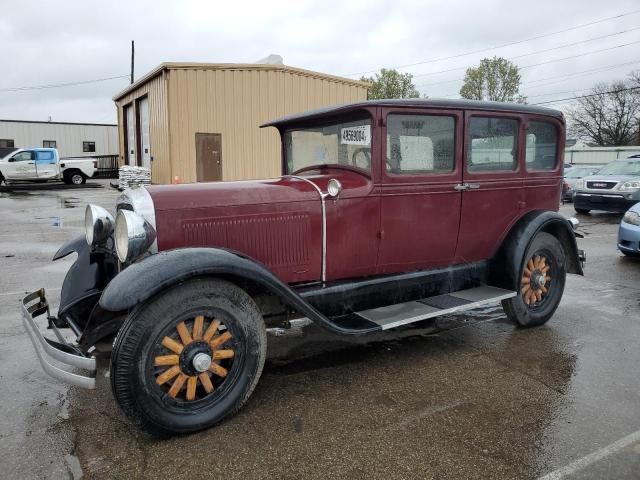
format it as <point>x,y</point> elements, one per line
<point>629,232</point>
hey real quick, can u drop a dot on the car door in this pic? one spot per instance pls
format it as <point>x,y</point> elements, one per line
<point>46,165</point>
<point>21,166</point>
<point>420,196</point>
<point>492,198</point>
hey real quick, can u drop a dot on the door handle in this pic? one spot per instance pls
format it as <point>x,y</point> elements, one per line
<point>466,186</point>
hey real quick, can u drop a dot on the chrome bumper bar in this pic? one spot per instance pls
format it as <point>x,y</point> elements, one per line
<point>34,305</point>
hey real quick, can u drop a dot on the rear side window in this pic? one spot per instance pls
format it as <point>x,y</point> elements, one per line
<point>492,145</point>
<point>44,156</point>
<point>542,142</point>
<point>420,144</point>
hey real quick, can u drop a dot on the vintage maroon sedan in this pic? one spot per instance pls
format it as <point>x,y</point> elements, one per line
<point>386,213</point>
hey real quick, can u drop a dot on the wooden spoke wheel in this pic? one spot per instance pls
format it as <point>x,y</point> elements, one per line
<point>195,360</point>
<point>188,357</point>
<point>535,281</point>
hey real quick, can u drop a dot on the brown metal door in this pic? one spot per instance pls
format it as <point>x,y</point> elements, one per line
<point>208,157</point>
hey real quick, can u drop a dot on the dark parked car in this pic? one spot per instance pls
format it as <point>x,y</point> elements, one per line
<point>574,174</point>
<point>386,213</point>
<point>615,188</point>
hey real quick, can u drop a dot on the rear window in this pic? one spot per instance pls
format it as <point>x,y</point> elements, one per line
<point>492,144</point>
<point>542,146</point>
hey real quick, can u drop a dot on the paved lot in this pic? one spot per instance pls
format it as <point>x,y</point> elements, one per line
<point>463,397</point>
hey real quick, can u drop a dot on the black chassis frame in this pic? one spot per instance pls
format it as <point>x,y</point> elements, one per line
<point>96,297</point>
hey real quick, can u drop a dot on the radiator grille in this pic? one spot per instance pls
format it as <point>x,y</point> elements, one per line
<point>601,185</point>
<point>276,240</point>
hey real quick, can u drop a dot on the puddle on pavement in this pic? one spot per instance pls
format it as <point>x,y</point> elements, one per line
<point>68,202</point>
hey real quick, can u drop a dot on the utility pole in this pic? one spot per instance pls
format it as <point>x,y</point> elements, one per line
<point>133,52</point>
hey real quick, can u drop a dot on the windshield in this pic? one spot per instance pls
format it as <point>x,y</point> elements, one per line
<point>578,172</point>
<point>621,167</point>
<point>345,143</point>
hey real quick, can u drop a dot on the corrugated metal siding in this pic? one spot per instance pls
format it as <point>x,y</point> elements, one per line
<point>68,137</point>
<point>234,102</point>
<point>156,90</point>
<point>598,155</point>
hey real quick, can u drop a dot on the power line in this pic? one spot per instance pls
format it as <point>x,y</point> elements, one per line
<point>58,85</point>
<point>541,63</point>
<point>503,45</point>
<point>574,74</point>
<point>620,90</point>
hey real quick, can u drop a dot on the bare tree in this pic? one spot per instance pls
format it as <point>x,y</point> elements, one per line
<point>495,79</point>
<point>609,115</point>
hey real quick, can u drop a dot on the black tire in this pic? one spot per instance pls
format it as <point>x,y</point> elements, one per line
<point>75,177</point>
<point>538,313</point>
<point>582,211</point>
<point>133,374</point>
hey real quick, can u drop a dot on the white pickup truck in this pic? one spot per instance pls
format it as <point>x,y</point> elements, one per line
<point>44,164</point>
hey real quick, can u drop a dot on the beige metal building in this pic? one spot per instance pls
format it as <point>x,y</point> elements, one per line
<point>71,139</point>
<point>194,122</point>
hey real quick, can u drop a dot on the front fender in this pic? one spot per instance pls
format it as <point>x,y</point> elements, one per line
<point>505,265</point>
<point>85,280</point>
<point>157,272</point>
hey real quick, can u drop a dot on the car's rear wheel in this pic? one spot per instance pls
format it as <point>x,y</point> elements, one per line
<point>582,211</point>
<point>189,357</point>
<point>542,278</point>
<point>76,178</point>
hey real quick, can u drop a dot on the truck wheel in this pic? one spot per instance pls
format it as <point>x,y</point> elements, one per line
<point>189,357</point>
<point>582,211</point>
<point>542,278</point>
<point>76,178</point>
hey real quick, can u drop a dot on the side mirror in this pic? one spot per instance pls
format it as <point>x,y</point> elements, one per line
<point>11,160</point>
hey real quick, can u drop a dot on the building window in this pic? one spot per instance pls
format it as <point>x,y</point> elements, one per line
<point>6,143</point>
<point>88,146</point>
<point>49,144</point>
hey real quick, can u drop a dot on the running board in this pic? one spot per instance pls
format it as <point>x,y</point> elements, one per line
<point>403,313</point>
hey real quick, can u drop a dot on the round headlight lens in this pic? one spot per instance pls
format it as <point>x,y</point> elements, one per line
<point>334,187</point>
<point>134,235</point>
<point>98,224</point>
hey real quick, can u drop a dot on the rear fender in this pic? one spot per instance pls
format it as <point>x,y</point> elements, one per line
<point>144,279</point>
<point>505,265</point>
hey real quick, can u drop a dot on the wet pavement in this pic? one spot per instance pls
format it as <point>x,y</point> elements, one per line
<point>461,397</point>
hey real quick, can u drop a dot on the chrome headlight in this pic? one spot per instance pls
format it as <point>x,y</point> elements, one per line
<point>631,217</point>
<point>98,224</point>
<point>629,186</point>
<point>134,235</point>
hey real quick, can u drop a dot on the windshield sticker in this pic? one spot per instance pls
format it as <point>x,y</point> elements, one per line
<point>360,135</point>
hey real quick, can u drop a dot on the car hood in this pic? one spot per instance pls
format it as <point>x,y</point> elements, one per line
<point>610,178</point>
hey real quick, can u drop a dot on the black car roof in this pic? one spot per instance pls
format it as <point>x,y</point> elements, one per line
<point>414,102</point>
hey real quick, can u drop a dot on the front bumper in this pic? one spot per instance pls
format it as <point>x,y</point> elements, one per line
<point>629,238</point>
<point>34,305</point>
<point>607,202</point>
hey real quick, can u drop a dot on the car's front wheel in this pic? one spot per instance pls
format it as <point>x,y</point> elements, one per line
<point>542,278</point>
<point>189,357</point>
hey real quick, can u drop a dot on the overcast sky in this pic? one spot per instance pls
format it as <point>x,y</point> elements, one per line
<point>73,41</point>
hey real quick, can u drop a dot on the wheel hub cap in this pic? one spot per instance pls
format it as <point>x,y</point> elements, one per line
<point>201,362</point>
<point>535,280</point>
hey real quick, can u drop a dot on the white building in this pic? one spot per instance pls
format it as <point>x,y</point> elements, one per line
<point>71,139</point>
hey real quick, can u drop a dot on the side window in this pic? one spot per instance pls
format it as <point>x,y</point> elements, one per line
<point>542,142</point>
<point>493,144</point>
<point>23,157</point>
<point>44,156</point>
<point>418,144</point>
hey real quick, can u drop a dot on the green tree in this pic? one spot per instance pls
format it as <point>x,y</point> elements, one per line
<point>495,79</point>
<point>390,83</point>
